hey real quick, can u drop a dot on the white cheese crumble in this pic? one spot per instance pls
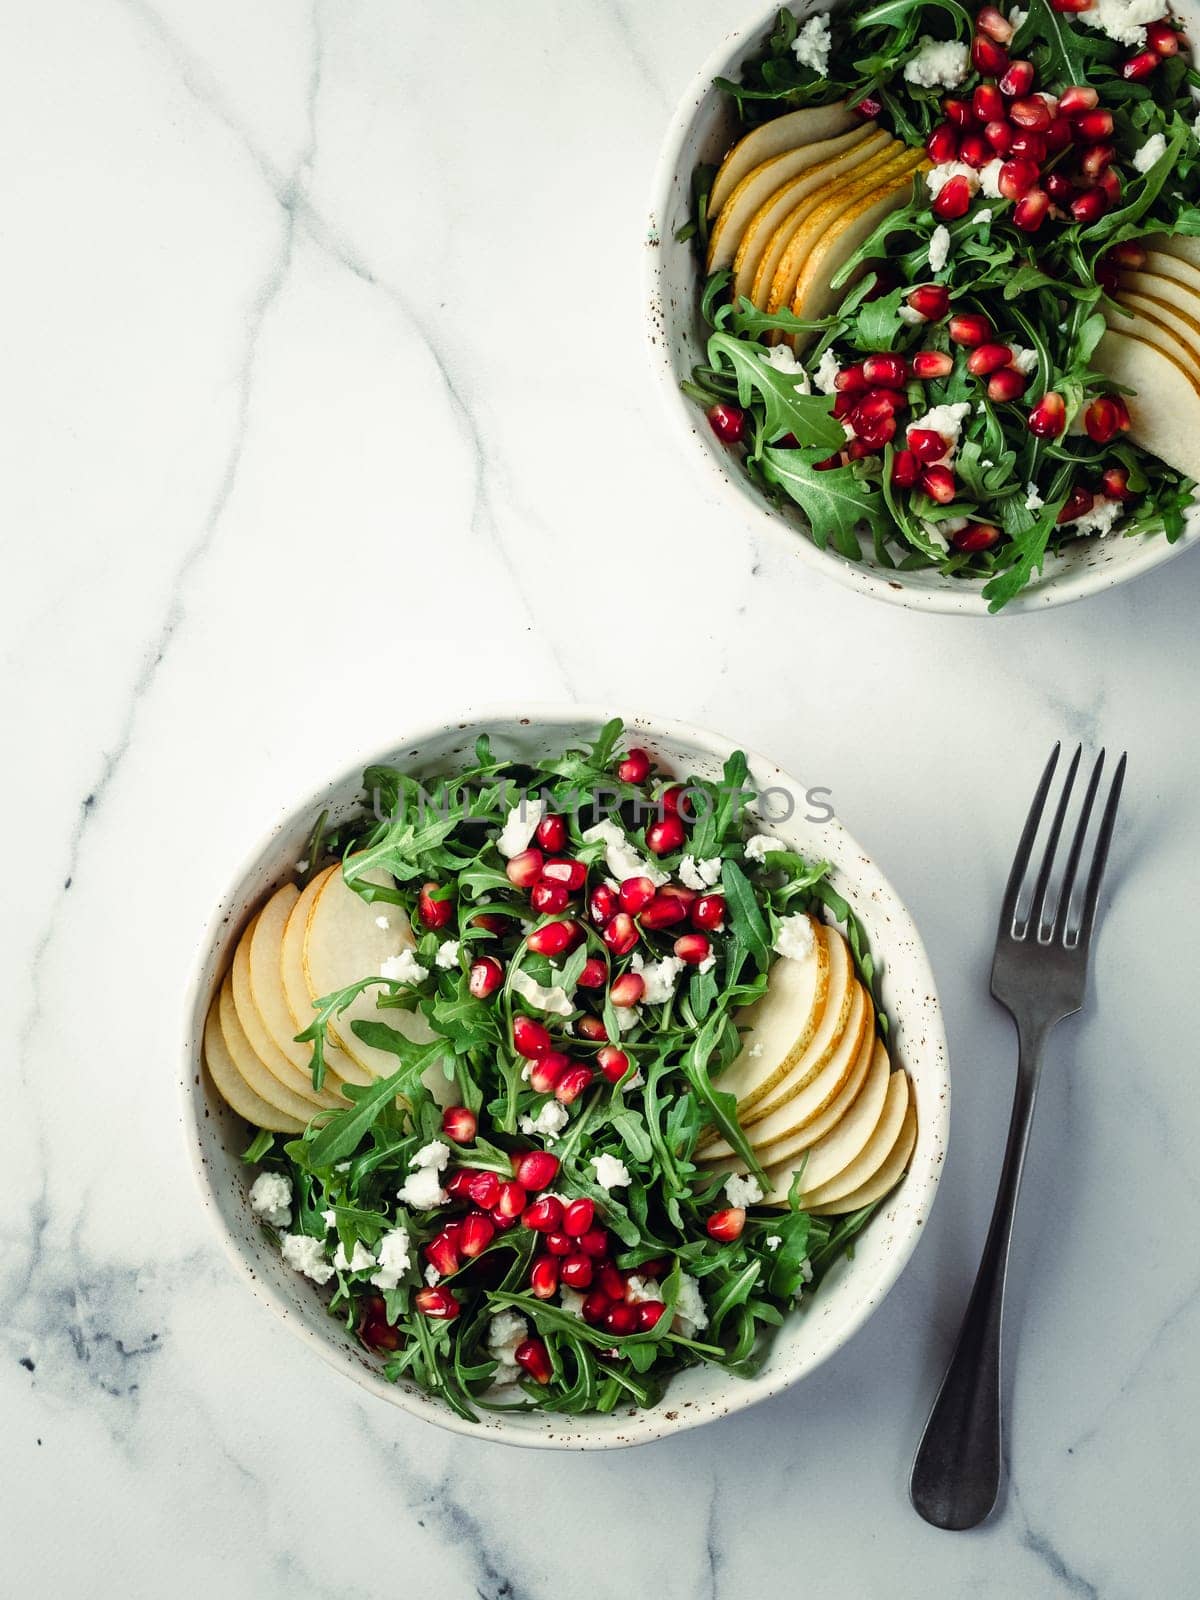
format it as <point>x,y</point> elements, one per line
<point>773,1241</point>
<point>307,1255</point>
<point>743,1191</point>
<point>910,315</point>
<point>795,937</point>
<point>811,45</point>
<point>1153,150</point>
<point>708,963</point>
<point>506,1331</point>
<point>302,866</point>
<point>755,1051</point>
<point>572,1301</point>
<point>948,421</point>
<point>393,1260</point>
<point>550,1120</point>
<point>435,1154</point>
<point>540,996</point>
<point>271,1198</point>
<point>404,968</point>
<point>937,64</point>
<point>1016,18</point>
<point>659,977</point>
<point>939,248</point>
<point>447,955</point>
<point>627,1017</point>
<point>382,922</point>
<point>934,534</point>
<point>938,177</point>
<point>1123,20</point>
<point>783,358</point>
<point>520,826</point>
<point>611,1172</point>
<point>1099,520</point>
<point>432,1276</point>
<point>1033,500</point>
<point>825,377</point>
<point>759,843</point>
<point>640,1289</point>
<point>701,875</point>
<point>691,1314</point>
<point>329,1218</point>
<point>620,857</point>
<point>984,214</point>
<point>1022,359</point>
<point>422,1189</point>
<point>989,179</point>
<point>358,1261</point>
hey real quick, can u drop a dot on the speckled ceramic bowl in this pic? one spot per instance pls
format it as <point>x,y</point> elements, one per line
<point>701,131</point>
<point>852,1290</point>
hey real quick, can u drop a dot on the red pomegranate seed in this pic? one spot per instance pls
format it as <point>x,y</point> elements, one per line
<point>988,358</point>
<point>1030,210</point>
<point>727,422</point>
<point>532,1357</point>
<point>595,1306</point>
<point>939,484</point>
<point>549,898</point>
<point>635,767</point>
<point>559,1244</point>
<point>1115,483</point>
<point>693,948</point>
<point>572,1084</point>
<point>1007,384</point>
<point>1092,126</point>
<point>458,1183</point>
<point>675,801</point>
<point>987,56</point>
<point>484,1189</point>
<point>1089,206</point>
<point>726,1225</point>
<point>1162,38</point>
<point>552,938</point>
<point>460,1123</point>
<point>1079,503</point>
<point>1058,135</point>
<point>975,536</point>
<point>675,893</point>
<point>572,875</point>
<point>1128,254</point>
<point>1016,178</point>
<point>591,1028</point>
<point>551,833</point>
<point>594,1242</point>
<point>579,1217</point>
<point>709,912</point>
<point>621,1319</point>
<point>593,974</point>
<point>926,445</point>
<point>511,1200</point>
<point>1123,421</point>
<point>1059,186</point>
<point>543,1277</point>
<point>1076,99</point>
<point>976,151</point>
<point>635,893</point>
<point>870,106</point>
<point>545,1072</point>
<point>995,24</point>
<point>1071,5</point>
<point>627,990</point>
<point>959,112</point>
<point>1049,417</point>
<point>875,406</point>
<point>1109,184</point>
<point>434,913</point>
<point>1028,146</point>
<point>1102,420</point>
<point>602,904</point>
<point>860,449</point>
<point>621,935</point>
<point>544,1215</point>
<point>612,1281</point>
<point>988,103</point>
<point>932,363</point>
<point>649,1312</point>
<point>970,328</point>
<point>1031,113</point>
<point>442,1252</point>
<point>664,911</point>
<point>530,1038</point>
<point>486,977</point>
<point>952,199</point>
<point>374,1329</point>
<point>664,836</point>
<point>941,143</point>
<point>475,1234</point>
<point>1140,66</point>
<point>889,371</point>
<point>438,1303</point>
<point>1000,136</point>
<point>613,1063</point>
<point>931,301</point>
<point>577,1272</point>
<point>1017,81</point>
<point>489,921</point>
<point>873,433</point>
<point>905,469</point>
<point>851,380</point>
<point>534,1169</point>
<point>1094,160</point>
<point>525,869</point>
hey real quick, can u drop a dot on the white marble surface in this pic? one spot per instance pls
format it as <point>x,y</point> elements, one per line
<point>327,414</point>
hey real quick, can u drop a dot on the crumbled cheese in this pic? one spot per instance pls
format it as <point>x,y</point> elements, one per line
<point>572,1301</point>
<point>271,1198</point>
<point>825,377</point>
<point>773,1241</point>
<point>329,1218</point>
<point>783,358</point>
<point>358,1261</point>
<point>520,826</point>
<point>948,421</point>
<point>811,45</point>
<point>620,857</point>
<point>307,1255</point>
<point>637,1081</point>
<point>1153,150</point>
<point>393,1260</point>
<point>984,214</point>
<point>691,1314</point>
<point>1123,20</point>
<point>659,977</point>
<point>639,1289</point>
<point>937,64</point>
<point>447,955</point>
<point>743,1191</point>
<point>1022,359</point>
<point>627,1017</point>
<point>934,534</point>
<point>435,1154</point>
<point>302,866</point>
<point>701,875</point>
<point>1016,18</point>
<point>795,937</point>
<point>755,1051</point>
<point>611,1172</point>
<point>758,845</point>
<point>540,996</point>
<point>708,963</point>
<point>910,315</point>
<point>989,179</point>
<point>382,922</point>
<point>1033,500</point>
<point>422,1189</point>
<point>404,968</point>
<point>432,1276</point>
<point>1099,520</point>
<point>938,177</point>
<point>506,1331</point>
<point>939,248</point>
<point>550,1120</point>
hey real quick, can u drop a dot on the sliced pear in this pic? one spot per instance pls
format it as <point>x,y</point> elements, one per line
<point>250,1067</point>
<point>1185,246</point>
<point>233,1088</point>
<point>272,1057</point>
<point>1164,410</point>
<point>300,1002</point>
<point>872,1155</point>
<point>266,975</point>
<point>1165,312</point>
<point>885,1178</point>
<point>772,138</point>
<point>861,1116</point>
<point>1181,268</point>
<point>1155,332</point>
<point>800,1097</point>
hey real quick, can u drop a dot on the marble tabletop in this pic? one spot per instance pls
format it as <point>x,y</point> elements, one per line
<point>328,415</point>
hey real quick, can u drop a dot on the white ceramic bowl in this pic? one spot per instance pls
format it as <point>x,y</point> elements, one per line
<point>701,130</point>
<point>852,1289</point>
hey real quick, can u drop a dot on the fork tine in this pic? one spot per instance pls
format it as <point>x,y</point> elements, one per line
<point>1103,840</point>
<point>1085,816</point>
<point>1008,911</point>
<point>1034,919</point>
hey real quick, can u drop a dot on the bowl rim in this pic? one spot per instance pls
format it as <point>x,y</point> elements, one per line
<point>951,597</point>
<point>652,1424</point>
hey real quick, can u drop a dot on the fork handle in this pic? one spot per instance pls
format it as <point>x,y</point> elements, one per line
<point>956,1474</point>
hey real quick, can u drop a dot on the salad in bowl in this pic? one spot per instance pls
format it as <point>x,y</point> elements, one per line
<point>563,1079</point>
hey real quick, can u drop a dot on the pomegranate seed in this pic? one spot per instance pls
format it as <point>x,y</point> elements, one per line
<point>959,112</point>
<point>559,1244</point>
<point>476,1233</point>
<point>1109,184</point>
<point>709,912</point>
<point>534,1169</point>
<point>1128,254</point>
<point>544,1215</point>
<point>649,1312</point>
<point>1102,420</point>
<point>1115,483</point>
<point>545,1072</point>
<point>970,328</point>
<point>502,1223</point>
<point>905,469</point>
<point>434,913</point>
<point>594,1307</point>
<point>594,1242</point>
<point>442,1252</point>
<point>621,935</point>
<point>1007,384</point>
<point>674,799</point>
<point>873,433</point>
<point>1095,158</point>
<point>1031,113</point>
<point>612,1281</point>
<point>664,836</point>
<point>988,57</point>
<point>726,1225</point>
<point>484,1189</point>
<point>1071,5</point>
<point>593,974</point>
<point>613,1063</point>
<point>976,536</point>
<point>1028,146</point>
<point>572,1084</point>
<point>490,922</point>
<point>602,904</point>
<point>532,1357</point>
<point>931,301</point>
<point>571,874</point>
<point>577,1272</point>
<point>939,484</point>
<point>621,1319</point>
<point>460,1123</point>
<point>727,422</point>
<point>627,990</point>
<point>511,1200</point>
<point>988,358</point>
<point>889,371</point>
<point>860,449</point>
<point>1079,503</point>
<point>579,1217</point>
<point>1049,417</point>
<point>374,1329</point>
<point>952,199</point>
<point>932,363</point>
<point>1107,276</point>
<point>1162,38</point>
<point>870,106</point>
<point>591,1028</point>
<point>976,151</point>
<point>1059,186</point>
<point>693,948</point>
<point>439,1303</point>
<point>543,1277</point>
<point>552,938</point>
<point>1000,136</point>
<point>635,768</point>
<point>636,893</point>
<point>664,911</point>
<point>995,24</point>
<point>551,833</point>
<point>486,977</point>
<point>525,869</point>
<point>926,445</point>
<point>1016,178</point>
<point>1017,81</point>
<point>1140,66</point>
<point>1078,98</point>
<point>941,144</point>
<point>1030,210</point>
<point>876,406</point>
<point>851,380</point>
<point>1123,421</point>
<point>1089,205</point>
<point>530,1038</point>
<point>1058,135</point>
<point>549,898</point>
<point>1092,126</point>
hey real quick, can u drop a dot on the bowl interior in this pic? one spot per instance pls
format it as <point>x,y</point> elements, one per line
<point>701,131</point>
<point>849,1292</point>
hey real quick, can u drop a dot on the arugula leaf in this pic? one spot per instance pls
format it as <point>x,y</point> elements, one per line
<point>807,417</point>
<point>836,501</point>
